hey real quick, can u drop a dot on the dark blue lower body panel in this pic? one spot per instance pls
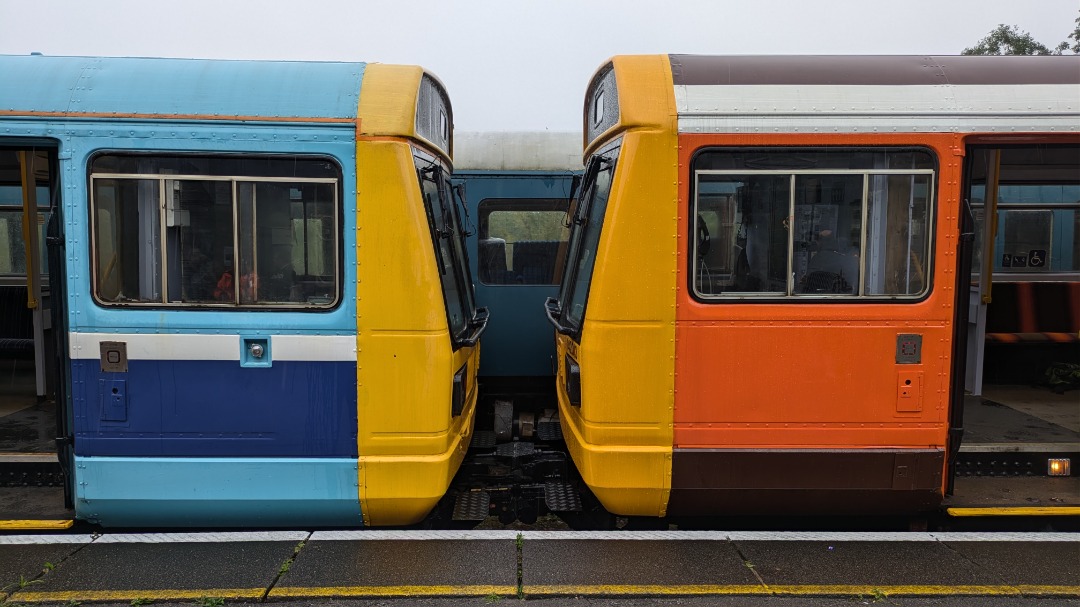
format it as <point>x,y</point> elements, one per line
<point>189,408</point>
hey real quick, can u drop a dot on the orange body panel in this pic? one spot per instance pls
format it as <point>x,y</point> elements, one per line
<point>817,375</point>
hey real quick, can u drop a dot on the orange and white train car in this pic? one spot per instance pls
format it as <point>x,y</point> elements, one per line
<point>763,307</point>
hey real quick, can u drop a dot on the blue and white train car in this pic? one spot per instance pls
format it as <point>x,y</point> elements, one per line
<point>258,283</point>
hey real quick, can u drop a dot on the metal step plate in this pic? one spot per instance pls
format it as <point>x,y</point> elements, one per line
<point>549,431</point>
<point>482,439</point>
<point>561,497</point>
<point>472,506</point>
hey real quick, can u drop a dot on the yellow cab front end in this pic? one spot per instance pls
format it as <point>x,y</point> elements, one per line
<point>417,328</point>
<point>616,411</point>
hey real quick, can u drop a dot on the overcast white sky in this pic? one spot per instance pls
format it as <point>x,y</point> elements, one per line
<point>513,64</point>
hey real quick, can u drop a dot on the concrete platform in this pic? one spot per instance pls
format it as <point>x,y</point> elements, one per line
<point>319,566</point>
<point>567,566</point>
<point>347,567</point>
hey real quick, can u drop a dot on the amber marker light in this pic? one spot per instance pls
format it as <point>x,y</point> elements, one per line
<point>1058,466</point>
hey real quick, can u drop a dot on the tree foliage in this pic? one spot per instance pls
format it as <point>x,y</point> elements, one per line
<point>1008,40</point>
<point>1075,36</point>
<point>1011,40</point>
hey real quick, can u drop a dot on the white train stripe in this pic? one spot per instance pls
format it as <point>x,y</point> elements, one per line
<point>887,100</point>
<point>877,108</point>
<point>878,125</point>
<point>185,346</point>
<point>511,535</point>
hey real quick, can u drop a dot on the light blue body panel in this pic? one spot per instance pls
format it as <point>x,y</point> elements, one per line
<point>183,87</point>
<point>157,88</point>
<point>519,341</point>
<point>293,473</point>
<point>78,141</point>
<point>213,492</point>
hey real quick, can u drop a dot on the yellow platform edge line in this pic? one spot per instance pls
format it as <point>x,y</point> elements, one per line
<point>901,590</point>
<point>849,590</point>
<point>1048,590</point>
<point>840,590</point>
<point>384,591</point>
<point>1018,511</point>
<point>132,595</point>
<point>36,525</point>
<point>644,589</point>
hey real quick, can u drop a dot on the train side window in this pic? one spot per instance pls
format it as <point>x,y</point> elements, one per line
<point>198,231</point>
<point>520,240</point>
<point>812,224</point>
<point>898,230</point>
<point>127,240</point>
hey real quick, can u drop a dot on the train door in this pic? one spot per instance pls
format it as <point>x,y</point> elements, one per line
<point>34,408</point>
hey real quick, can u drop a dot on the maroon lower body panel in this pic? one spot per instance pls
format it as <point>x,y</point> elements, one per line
<point>706,482</point>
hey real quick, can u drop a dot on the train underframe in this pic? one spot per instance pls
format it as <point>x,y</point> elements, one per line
<point>518,470</point>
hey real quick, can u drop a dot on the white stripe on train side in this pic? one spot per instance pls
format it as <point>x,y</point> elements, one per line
<point>782,108</point>
<point>186,346</point>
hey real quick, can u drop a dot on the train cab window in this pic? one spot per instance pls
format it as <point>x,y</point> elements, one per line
<point>586,222</point>
<point>206,231</point>
<point>811,224</point>
<point>448,231</point>
<point>521,240</point>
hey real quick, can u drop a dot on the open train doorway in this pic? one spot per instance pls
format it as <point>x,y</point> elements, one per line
<point>1025,287</point>
<point>33,411</point>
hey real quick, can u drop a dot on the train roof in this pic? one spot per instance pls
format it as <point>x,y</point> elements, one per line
<point>760,94</point>
<point>876,93</point>
<point>177,88</point>
<point>895,70</point>
<point>517,151</point>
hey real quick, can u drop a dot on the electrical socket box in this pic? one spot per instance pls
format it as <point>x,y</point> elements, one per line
<point>909,391</point>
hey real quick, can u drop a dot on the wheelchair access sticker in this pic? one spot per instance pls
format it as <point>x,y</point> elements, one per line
<point>1035,258</point>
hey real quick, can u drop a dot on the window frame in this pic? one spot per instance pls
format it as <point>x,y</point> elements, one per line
<point>791,295</point>
<point>489,206</point>
<point>233,180</point>
<point>459,257</point>
<point>579,222</point>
